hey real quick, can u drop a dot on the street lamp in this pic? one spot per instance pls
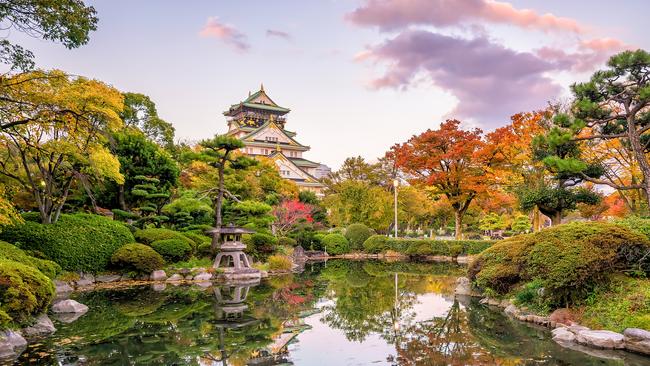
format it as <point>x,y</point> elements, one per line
<point>395,185</point>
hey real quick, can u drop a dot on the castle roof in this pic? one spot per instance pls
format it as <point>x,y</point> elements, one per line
<point>259,100</point>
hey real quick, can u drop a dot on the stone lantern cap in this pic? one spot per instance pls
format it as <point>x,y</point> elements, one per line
<point>230,229</point>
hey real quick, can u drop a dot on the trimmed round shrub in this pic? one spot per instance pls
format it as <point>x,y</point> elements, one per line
<point>12,252</point>
<point>336,244</point>
<point>317,243</point>
<point>357,234</point>
<point>204,250</point>
<point>376,244</point>
<point>260,244</point>
<point>287,241</point>
<point>197,238</point>
<point>79,242</point>
<point>24,292</point>
<point>279,263</point>
<point>172,250</point>
<point>137,257</point>
<point>566,260</point>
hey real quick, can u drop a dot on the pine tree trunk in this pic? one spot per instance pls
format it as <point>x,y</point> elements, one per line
<point>458,224</point>
<point>637,149</point>
<point>217,209</point>
<point>556,218</point>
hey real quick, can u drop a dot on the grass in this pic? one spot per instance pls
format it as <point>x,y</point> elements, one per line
<point>193,263</point>
<point>624,303</point>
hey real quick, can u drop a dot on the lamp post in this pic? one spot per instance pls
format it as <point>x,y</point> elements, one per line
<point>395,185</point>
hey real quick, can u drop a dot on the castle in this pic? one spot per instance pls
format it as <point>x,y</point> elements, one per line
<point>260,123</point>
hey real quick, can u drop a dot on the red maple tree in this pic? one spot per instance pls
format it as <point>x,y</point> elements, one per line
<point>290,212</point>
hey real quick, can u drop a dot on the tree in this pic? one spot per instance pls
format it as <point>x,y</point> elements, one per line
<point>64,142</point>
<point>65,21</point>
<point>491,222</point>
<point>140,112</point>
<point>359,202</point>
<point>288,214</point>
<point>615,105</point>
<point>451,161</point>
<point>219,152</point>
<point>521,224</point>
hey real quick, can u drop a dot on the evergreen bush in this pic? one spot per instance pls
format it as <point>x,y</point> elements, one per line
<point>150,235</point>
<point>24,292</point>
<point>376,244</point>
<point>357,235</point>
<point>13,253</point>
<point>172,250</point>
<point>78,242</point>
<point>336,244</point>
<point>287,241</point>
<point>137,257</point>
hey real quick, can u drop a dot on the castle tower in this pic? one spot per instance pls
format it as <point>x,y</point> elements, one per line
<point>260,123</point>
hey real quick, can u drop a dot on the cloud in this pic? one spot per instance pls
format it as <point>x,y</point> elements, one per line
<point>490,81</point>
<point>587,56</point>
<point>395,14</point>
<point>214,28</point>
<point>278,33</point>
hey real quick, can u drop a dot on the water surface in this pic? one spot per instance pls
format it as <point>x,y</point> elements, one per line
<point>338,313</point>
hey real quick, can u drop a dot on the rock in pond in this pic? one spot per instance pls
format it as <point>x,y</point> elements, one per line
<point>637,340</point>
<point>42,327</point>
<point>463,287</point>
<point>159,275</point>
<point>601,339</point>
<point>203,277</point>
<point>69,306</point>
<point>62,287</point>
<point>563,335</point>
<point>175,278</point>
<point>11,344</point>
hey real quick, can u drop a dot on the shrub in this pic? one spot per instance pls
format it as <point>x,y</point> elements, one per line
<point>24,292</point>
<point>148,236</point>
<point>336,244</point>
<point>279,263</point>
<point>357,235</point>
<point>376,244</point>
<point>635,223</point>
<point>172,250</point>
<point>287,241</point>
<point>204,250</point>
<point>197,238</point>
<point>137,257</point>
<point>260,244</point>
<point>79,242</point>
<point>317,242</point>
<point>13,253</point>
<point>423,247</point>
<point>567,260</point>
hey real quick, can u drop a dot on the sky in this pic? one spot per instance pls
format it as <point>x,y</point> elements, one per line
<point>358,76</point>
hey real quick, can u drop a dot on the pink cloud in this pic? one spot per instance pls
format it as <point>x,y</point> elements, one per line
<point>490,81</point>
<point>587,55</point>
<point>214,28</point>
<point>278,33</point>
<point>395,14</point>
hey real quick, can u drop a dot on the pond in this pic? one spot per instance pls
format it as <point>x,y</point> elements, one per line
<point>334,313</point>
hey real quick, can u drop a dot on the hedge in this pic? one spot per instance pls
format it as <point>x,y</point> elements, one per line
<point>336,244</point>
<point>172,250</point>
<point>78,242</point>
<point>567,261</point>
<point>24,292</point>
<point>148,236</point>
<point>13,253</point>
<point>137,257</point>
<point>357,235</point>
<point>421,247</point>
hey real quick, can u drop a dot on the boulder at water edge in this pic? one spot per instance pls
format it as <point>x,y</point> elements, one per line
<point>563,335</point>
<point>69,306</point>
<point>637,340</point>
<point>601,339</point>
<point>42,327</point>
<point>11,344</point>
<point>159,275</point>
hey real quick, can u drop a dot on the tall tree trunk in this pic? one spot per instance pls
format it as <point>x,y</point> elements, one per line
<point>458,224</point>
<point>218,204</point>
<point>639,154</point>
<point>537,219</point>
<point>120,197</point>
<point>556,218</point>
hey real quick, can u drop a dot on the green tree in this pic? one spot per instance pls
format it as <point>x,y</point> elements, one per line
<point>140,112</point>
<point>63,143</point>
<point>521,224</point>
<point>359,202</point>
<point>66,21</point>
<point>491,222</point>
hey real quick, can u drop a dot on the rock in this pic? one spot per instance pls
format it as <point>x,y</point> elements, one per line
<point>601,339</point>
<point>511,310</point>
<point>158,287</point>
<point>69,306</point>
<point>198,270</point>
<point>67,317</point>
<point>108,278</point>
<point>204,284</point>
<point>184,271</point>
<point>463,287</point>
<point>637,340</point>
<point>563,316</point>
<point>264,274</point>
<point>126,277</point>
<point>175,278</point>
<point>575,329</point>
<point>203,277</point>
<point>11,344</point>
<point>484,301</point>
<point>42,327</point>
<point>493,302</point>
<point>563,335</point>
<point>83,282</point>
<point>62,287</point>
<point>158,275</point>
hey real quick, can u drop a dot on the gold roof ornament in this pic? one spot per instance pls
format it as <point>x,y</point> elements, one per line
<point>261,86</point>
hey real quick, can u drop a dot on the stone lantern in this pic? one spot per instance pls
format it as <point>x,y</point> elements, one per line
<point>231,258</point>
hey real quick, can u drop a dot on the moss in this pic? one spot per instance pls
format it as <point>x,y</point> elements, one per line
<point>568,260</point>
<point>137,257</point>
<point>622,303</point>
<point>24,292</point>
<point>79,242</point>
<point>11,252</point>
